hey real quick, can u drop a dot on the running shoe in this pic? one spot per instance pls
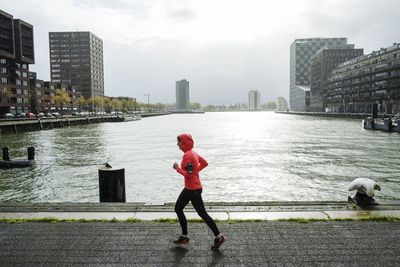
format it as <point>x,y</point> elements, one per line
<point>218,241</point>
<point>182,240</point>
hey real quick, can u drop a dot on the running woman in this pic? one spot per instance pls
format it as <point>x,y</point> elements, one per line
<point>192,163</point>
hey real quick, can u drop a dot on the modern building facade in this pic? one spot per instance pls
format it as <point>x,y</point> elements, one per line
<point>254,100</point>
<point>182,95</point>
<point>77,58</point>
<point>16,53</point>
<point>301,51</point>
<point>42,96</point>
<point>366,83</point>
<point>322,64</point>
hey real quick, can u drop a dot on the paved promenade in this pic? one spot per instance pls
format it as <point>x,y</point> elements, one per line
<point>266,243</point>
<point>269,242</point>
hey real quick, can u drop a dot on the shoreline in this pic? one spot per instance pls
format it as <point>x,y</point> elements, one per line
<point>221,211</point>
<point>29,125</point>
<point>328,114</point>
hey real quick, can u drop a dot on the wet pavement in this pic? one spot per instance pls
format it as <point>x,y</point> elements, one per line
<point>265,243</point>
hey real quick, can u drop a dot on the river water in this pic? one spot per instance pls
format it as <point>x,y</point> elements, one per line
<point>253,156</point>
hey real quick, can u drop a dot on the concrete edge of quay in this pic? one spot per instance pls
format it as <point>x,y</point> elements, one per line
<point>328,114</point>
<point>221,211</point>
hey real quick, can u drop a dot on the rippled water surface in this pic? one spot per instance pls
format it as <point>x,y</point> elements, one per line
<point>253,156</point>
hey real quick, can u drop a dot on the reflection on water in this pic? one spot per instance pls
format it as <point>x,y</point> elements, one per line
<point>253,156</point>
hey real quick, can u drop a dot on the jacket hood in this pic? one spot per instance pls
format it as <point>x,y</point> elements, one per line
<point>186,141</point>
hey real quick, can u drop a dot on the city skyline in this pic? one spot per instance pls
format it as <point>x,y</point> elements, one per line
<point>222,58</point>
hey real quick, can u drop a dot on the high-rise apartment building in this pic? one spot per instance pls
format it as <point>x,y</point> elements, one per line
<point>322,64</point>
<point>16,53</point>
<point>254,100</point>
<point>301,51</point>
<point>182,95</point>
<point>77,58</point>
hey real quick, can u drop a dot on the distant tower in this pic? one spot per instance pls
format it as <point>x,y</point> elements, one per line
<point>182,95</point>
<point>254,100</point>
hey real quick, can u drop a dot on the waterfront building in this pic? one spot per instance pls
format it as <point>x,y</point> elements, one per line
<point>77,58</point>
<point>182,95</point>
<point>369,83</point>
<point>301,51</point>
<point>254,100</point>
<point>282,104</point>
<point>42,93</point>
<point>16,53</point>
<point>322,63</point>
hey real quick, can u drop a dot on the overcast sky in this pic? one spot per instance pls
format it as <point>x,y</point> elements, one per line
<point>223,47</point>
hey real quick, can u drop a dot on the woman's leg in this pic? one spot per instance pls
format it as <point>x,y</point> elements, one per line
<point>198,204</point>
<point>180,204</point>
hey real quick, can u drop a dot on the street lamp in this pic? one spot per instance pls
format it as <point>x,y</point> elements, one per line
<point>148,101</point>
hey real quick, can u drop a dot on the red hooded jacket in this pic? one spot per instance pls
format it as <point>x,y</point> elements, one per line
<point>192,163</point>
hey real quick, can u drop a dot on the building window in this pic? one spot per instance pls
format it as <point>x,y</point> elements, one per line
<point>19,91</point>
<point>25,74</point>
<point>38,85</point>
<point>25,92</point>
<point>25,83</point>
<point>4,80</point>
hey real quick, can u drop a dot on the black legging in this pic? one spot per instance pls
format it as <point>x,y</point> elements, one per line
<point>195,197</point>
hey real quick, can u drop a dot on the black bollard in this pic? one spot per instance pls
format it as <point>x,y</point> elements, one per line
<point>6,154</point>
<point>374,111</point>
<point>112,185</point>
<point>31,153</point>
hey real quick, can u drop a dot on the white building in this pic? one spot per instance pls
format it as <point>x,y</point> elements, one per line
<point>254,100</point>
<point>182,95</point>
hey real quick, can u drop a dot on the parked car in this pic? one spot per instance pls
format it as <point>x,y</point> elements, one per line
<point>30,115</point>
<point>40,115</point>
<point>56,114</point>
<point>21,115</point>
<point>7,116</point>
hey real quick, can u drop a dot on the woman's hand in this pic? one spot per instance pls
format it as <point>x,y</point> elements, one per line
<point>175,166</point>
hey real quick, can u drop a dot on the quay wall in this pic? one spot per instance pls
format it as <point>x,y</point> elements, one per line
<point>46,124</point>
<point>328,115</point>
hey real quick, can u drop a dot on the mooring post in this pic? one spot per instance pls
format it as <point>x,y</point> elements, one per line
<point>6,154</point>
<point>31,153</point>
<point>112,185</point>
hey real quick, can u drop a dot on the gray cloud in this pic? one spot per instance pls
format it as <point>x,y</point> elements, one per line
<point>184,14</point>
<point>139,57</point>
